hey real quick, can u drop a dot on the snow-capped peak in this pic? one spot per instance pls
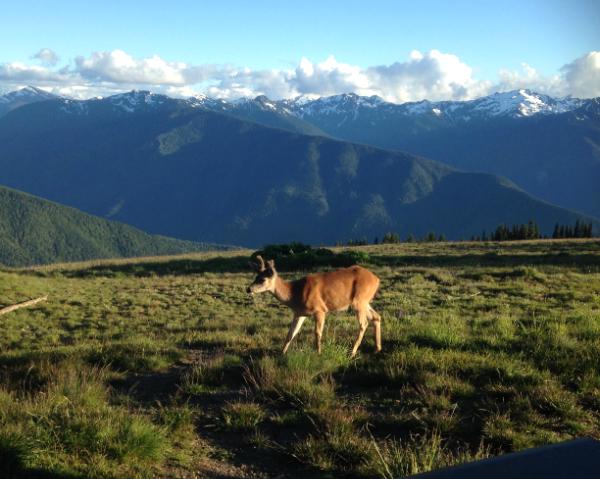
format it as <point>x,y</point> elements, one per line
<point>522,103</point>
<point>27,94</point>
<point>202,101</point>
<point>345,103</point>
<point>337,108</point>
<point>32,90</point>
<point>517,103</point>
<point>133,100</point>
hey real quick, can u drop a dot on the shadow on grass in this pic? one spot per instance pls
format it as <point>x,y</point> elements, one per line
<point>490,259</point>
<point>176,267</point>
<point>25,473</point>
<point>239,264</point>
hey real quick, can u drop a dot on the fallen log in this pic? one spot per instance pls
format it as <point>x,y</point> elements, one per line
<point>24,304</point>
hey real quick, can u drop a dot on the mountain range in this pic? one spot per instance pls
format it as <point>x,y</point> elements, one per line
<point>37,231</point>
<point>210,170</point>
<point>549,147</point>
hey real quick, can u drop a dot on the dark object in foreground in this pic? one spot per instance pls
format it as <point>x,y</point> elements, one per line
<point>578,459</point>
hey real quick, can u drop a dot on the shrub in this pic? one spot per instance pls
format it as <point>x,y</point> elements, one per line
<point>72,417</point>
<point>242,416</point>
<point>298,256</point>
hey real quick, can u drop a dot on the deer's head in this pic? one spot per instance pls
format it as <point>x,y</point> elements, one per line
<point>265,276</point>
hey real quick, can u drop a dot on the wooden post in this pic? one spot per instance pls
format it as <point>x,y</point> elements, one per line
<point>24,304</point>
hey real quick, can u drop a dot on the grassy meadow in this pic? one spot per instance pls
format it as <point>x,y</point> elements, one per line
<point>165,367</point>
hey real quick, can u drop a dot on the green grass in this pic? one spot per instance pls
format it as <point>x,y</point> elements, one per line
<point>165,367</point>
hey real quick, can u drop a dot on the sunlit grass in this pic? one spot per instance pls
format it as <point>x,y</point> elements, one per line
<point>148,367</point>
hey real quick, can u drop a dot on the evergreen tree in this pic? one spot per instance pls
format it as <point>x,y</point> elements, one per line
<point>536,231</point>
<point>530,230</point>
<point>391,238</point>
<point>556,232</point>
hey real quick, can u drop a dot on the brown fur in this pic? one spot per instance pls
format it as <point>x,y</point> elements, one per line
<point>321,293</point>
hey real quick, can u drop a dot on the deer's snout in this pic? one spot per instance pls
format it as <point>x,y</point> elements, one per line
<point>249,290</point>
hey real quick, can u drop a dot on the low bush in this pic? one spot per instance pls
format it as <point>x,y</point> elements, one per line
<point>298,256</point>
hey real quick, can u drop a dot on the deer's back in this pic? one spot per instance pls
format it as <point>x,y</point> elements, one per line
<point>337,290</point>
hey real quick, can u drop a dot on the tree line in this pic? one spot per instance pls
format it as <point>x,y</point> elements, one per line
<point>394,238</point>
<point>580,230</point>
<point>503,232</point>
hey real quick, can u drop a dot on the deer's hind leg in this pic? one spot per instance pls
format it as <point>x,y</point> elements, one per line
<point>362,314</point>
<point>319,324</point>
<point>376,318</point>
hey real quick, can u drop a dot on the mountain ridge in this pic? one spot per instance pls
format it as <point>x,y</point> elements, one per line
<point>514,103</point>
<point>193,173</point>
<point>34,230</point>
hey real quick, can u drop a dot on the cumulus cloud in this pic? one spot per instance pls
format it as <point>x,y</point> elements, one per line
<point>20,72</point>
<point>432,75</point>
<point>583,75</point>
<point>119,67</point>
<point>528,77</point>
<point>329,78</point>
<point>232,83</point>
<point>580,78</point>
<point>47,57</point>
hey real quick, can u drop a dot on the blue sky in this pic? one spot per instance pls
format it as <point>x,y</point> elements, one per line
<point>488,37</point>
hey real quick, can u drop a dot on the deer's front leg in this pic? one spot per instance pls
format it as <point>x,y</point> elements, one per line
<point>294,328</point>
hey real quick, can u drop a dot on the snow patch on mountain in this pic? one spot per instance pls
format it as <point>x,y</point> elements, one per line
<point>28,94</point>
<point>77,107</point>
<point>516,104</point>
<point>342,108</point>
<point>132,101</point>
<point>522,103</point>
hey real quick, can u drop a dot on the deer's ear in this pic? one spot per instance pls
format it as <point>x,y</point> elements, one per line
<point>271,264</point>
<point>261,263</point>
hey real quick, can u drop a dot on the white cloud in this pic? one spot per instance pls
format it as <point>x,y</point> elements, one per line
<point>432,75</point>
<point>583,75</point>
<point>46,56</point>
<point>329,77</point>
<point>234,83</point>
<point>119,67</point>
<point>529,77</point>
<point>580,78</point>
<point>17,71</point>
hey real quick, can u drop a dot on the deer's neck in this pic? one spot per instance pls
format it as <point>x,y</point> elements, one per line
<point>283,290</point>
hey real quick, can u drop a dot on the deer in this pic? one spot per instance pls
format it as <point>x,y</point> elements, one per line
<point>321,293</point>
